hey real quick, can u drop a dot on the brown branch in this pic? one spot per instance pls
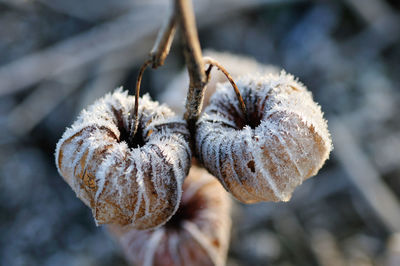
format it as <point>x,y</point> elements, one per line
<point>194,61</point>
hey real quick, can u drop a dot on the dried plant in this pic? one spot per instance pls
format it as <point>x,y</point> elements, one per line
<point>127,157</point>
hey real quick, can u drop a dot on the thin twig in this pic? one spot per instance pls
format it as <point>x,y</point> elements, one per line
<point>158,55</point>
<point>212,62</point>
<point>194,61</point>
<point>163,43</point>
<point>208,72</point>
<point>135,114</point>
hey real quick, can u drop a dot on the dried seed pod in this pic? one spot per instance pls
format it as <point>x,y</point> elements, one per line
<point>198,234</point>
<point>264,156</point>
<point>137,182</point>
<point>237,65</point>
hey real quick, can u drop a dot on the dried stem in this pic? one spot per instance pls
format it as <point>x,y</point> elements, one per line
<point>163,42</point>
<point>208,72</point>
<point>135,114</point>
<point>194,61</point>
<point>212,62</point>
<point>158,55</point>
<point>184,15</point>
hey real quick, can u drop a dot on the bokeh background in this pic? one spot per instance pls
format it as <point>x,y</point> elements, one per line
<point>56,57</point>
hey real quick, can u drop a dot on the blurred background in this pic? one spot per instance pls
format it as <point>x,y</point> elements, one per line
<point>56,57</point>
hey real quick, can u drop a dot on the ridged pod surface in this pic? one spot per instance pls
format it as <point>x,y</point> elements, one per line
<point>197,235</point>
<point>137,183</point>
<point>264,157</point>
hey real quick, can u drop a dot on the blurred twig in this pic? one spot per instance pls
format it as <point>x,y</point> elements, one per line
<point>79,50</point>
<point>163,43</point>
<point>381,199</point>
<point>326,249</point>
<point>41,102</point>
<point>370,10</point>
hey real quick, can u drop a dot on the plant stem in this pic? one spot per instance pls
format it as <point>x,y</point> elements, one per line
<point>135,114</point>
<point>163,42</point>
<point>212,62</point>
<point>194,61</point>
<point>158,54</point>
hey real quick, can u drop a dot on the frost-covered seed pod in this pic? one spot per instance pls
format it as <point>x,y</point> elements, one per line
<point>284,140</point>
<point>197,235</point>
<point>136,182</point>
